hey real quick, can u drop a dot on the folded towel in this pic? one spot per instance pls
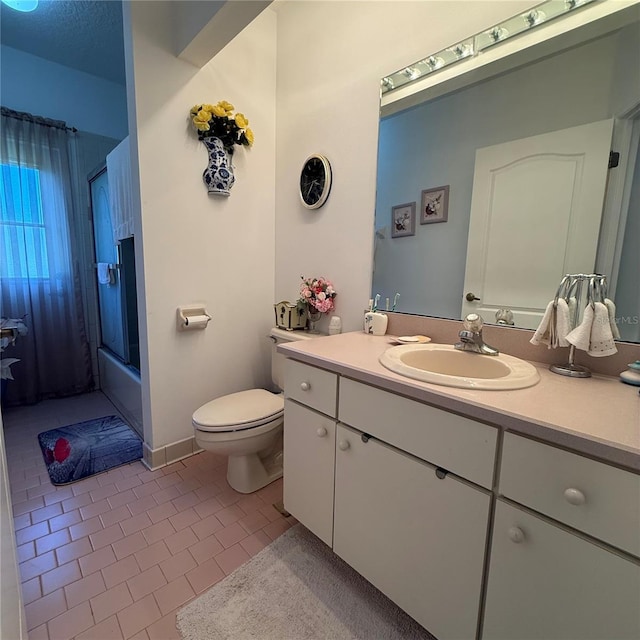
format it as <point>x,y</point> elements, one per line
<point>542,334</point>
<point>593,335</point>
<point>104,273</point>
<point>554,326</point>
<point>611,308</point>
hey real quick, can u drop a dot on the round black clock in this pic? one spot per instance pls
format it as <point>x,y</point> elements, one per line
<point>315,181</point>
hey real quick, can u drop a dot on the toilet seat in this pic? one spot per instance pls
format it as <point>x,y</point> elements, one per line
<point>239,411</point>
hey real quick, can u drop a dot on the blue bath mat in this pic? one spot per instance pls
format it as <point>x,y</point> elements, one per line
<point>83,449</point>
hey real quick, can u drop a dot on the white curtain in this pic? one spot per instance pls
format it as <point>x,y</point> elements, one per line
<point>38,268</point>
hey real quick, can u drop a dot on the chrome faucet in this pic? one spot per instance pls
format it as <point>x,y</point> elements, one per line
<point>471,337</point>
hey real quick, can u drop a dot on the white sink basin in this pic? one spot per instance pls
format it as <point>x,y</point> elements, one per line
<point>445,365</point>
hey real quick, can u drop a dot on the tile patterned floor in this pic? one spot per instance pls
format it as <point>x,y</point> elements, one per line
<point>114,556</point>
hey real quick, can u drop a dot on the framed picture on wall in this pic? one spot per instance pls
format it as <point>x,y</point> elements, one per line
<point>435,205</point>
<point>403,220</point>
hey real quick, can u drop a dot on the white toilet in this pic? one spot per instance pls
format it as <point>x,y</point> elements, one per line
<point>247,426</point>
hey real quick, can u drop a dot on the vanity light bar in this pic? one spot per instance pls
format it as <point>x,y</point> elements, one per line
<point>471,47</point>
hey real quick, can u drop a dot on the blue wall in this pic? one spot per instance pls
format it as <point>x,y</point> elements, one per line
<point>89,103</point>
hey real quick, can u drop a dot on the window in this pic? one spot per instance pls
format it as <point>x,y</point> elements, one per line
<point>22,231</point>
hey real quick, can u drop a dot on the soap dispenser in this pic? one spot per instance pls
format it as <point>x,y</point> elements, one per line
<point>632,374</point>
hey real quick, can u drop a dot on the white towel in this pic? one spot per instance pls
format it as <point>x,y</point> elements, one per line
<point>104,273</point>
<point>542,334</point>
<point>563,324</point>
<point>601,343</point>
<point>593,335</point>
<point>611,308</point>
<point>554,326</point>
<point>580,337</point>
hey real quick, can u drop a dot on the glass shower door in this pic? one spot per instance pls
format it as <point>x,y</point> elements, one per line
<point>109,295</point>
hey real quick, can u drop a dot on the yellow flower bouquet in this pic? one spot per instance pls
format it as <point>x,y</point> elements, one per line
<point>220,121</point>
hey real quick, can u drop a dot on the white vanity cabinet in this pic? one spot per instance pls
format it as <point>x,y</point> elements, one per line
<point>541,544</point>
<point>309,447</point>
<point>548,581</point>
<point>418,536</point>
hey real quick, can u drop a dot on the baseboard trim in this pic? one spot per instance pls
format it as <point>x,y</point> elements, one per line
<point>168,454</point>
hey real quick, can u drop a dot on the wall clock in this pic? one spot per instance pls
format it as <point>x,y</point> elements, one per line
<point>315,181</point>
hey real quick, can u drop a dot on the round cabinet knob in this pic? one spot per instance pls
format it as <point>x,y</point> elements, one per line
<point>322,432</point>
<point>574,497</point>
<point>305,386</point>
<point>516,534</point>
<point>471,297</point>
<point>343,445</point>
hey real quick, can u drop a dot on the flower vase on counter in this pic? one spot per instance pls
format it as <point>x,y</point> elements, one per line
<point>317,295</point>
<point>314,316</point>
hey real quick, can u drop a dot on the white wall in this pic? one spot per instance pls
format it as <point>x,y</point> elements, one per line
<point>12,620</point>
<point>196,248</point>
<point>44,88</point>
<point>190,17</point>
<point>331,56</point>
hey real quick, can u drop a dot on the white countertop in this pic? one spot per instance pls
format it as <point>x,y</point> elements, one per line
<point>597,416</point>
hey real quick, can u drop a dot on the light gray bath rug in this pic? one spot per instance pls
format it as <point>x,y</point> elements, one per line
<point>296,589</point>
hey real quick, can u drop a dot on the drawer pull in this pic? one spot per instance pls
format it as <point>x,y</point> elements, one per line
<point>343,445</point>
<point>305,386</point>
<point>516,534</point>
<point>322,432</point>
<point>574,496</point>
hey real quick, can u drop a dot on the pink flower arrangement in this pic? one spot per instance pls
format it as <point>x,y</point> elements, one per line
<point>317,293</point>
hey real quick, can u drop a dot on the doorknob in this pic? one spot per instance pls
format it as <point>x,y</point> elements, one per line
<point>471,297</point>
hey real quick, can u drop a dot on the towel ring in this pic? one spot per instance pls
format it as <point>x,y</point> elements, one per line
<point>563,284</point>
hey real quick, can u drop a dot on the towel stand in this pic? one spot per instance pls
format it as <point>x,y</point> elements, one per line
<point>572,286</point>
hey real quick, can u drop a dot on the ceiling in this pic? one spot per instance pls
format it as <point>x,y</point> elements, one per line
<point>82,34</point>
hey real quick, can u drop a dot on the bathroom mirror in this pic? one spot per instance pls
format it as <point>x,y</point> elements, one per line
<point>460,135</point>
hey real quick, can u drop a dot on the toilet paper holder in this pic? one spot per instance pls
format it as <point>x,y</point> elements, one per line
<point>192,318</point>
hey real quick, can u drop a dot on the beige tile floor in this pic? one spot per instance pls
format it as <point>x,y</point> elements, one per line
<point>116,555</point>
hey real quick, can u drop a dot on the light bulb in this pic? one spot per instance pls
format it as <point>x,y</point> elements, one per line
<point>412,73</point>
<point>534,17</point>
<point>497,34</point>
<point>461,51</point>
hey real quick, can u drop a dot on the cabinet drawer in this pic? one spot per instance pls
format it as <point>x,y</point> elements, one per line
<point>601,500</point>
<point>464,447</point>
<point>311,386</point>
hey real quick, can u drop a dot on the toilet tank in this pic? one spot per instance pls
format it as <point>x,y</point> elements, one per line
<point>280,336</point>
